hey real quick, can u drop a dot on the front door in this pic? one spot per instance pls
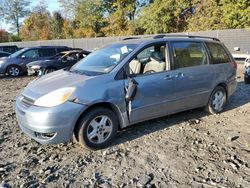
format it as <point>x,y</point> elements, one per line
<point>155,84</point>
<point>29,56</point>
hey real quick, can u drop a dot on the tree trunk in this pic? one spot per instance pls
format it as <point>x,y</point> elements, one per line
<point>17,25</point>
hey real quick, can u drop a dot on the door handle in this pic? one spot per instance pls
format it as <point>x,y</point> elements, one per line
<point>180,75</point>
<point>168,77</point>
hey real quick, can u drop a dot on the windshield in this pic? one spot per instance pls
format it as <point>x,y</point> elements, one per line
<point>16,54</point>
<point>104,59</point>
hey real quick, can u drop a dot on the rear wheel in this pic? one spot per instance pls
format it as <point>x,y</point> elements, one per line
<point>49,70</point>
<point>97,128</point>
<point>14,70</point>
<point>217,100</point>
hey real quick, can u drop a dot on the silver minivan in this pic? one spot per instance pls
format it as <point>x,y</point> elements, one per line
<point>125,83</point>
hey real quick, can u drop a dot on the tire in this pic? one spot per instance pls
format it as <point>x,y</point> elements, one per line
<point>97,128</point>
<point>246,79</point>
<point>14,70</point>
<point>49,70</point>
<point>217,100</point>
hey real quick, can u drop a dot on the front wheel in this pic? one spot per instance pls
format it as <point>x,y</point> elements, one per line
<point>217,100</point>
<point>14,70</point>
<point>97,128</point>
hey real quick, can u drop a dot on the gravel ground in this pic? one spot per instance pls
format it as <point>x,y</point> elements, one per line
<point>189,149</point>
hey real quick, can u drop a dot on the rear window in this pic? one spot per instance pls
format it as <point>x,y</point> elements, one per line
<point>48,52</point>
<point>218,53</point>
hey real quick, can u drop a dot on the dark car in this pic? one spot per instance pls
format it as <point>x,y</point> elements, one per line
<point>4,54</point>
<point>59,61</point>
<point>15,64</point>
<point>10,49</point>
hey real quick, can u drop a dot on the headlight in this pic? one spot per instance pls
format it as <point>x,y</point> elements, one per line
<point>55,98</point>
<point>36,67</point>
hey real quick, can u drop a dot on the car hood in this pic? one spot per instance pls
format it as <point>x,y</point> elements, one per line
<point>40,62</point>
<point>51,82</point>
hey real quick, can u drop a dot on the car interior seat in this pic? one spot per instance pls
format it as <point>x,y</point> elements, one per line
<point>134,67</point>
<point>156,63</point>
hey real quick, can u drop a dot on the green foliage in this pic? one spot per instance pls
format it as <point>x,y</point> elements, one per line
<point>95,18</point>
<point>57,22</point>
<point>4,36</point>
<point>37,26</point>
<point>236,13</point>
<point>13,10</point>
<point>14,38</point>
<point>89,18</point>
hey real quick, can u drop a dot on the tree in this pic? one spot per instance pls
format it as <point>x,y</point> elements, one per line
<point>159,17</point>
<point>13,10</point>
<point>37,26</point>
<point>121,17</point>
<point>207,16</point>
<point>4,36</point>
<point>236,13</point>
<point>57,25</point>
<point>89,18</point>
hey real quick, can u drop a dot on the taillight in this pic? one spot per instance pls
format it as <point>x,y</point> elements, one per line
<point>233,64</point>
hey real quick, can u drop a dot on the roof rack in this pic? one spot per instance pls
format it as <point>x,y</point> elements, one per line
<point>129,38</point>
<point>188,36</point>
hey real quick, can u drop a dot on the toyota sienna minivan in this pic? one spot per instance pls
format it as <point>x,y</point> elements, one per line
<point>125,83</point>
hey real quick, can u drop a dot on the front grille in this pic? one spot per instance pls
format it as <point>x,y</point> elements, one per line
<point>27,101</point>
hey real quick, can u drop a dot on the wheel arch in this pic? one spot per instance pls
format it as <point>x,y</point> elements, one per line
<point>107,105</point>
<point>223,85</point>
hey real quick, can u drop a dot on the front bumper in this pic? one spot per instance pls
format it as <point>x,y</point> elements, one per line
<point>32,71</point>
<point>48,125</point>
<point>2,69</point>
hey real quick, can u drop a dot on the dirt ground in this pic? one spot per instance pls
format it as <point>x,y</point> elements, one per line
<point>189,149</point>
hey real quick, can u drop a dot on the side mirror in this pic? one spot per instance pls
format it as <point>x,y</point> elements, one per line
<point>23,57</point>
<point>131,90</point>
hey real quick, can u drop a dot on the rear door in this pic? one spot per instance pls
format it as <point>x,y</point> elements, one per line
<point>193,74</point>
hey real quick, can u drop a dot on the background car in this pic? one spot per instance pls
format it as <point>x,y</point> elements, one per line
<point>4,54</point>
<point>59,61</point>
<point>15,64</point>
<point>10,49</point>
<point>247,70</point>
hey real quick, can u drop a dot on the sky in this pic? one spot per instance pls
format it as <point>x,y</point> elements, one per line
<point>52,5</point>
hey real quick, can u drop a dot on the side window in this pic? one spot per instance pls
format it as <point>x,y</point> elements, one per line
<point>188,54</point>
<point>47,52</point>
<point>31,54</point>
<point>149,60</point>
<point>218,53</point>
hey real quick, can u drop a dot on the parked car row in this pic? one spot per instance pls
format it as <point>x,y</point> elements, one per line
<point>16,63</point>
<point>125,83</point>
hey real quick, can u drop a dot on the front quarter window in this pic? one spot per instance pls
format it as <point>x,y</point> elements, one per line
<point>104,59</point>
